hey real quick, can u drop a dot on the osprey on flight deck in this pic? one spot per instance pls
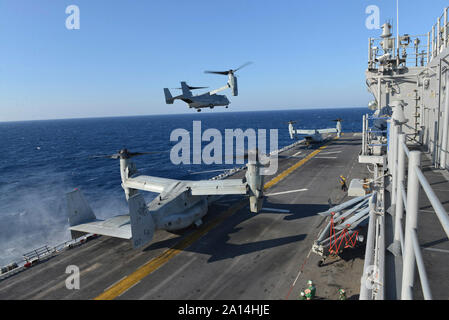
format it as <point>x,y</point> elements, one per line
<point>180,203</point>
<point>209,99</point>
<point>313,135</point>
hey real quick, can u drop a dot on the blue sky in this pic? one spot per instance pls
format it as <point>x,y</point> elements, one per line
<point>306,54</point>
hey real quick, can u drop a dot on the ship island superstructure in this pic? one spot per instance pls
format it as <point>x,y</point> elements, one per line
<point>405,142</point>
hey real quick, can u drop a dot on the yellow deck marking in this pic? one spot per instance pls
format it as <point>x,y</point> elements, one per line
<point>154,264</point>
<point>126,283</point>
<point>285,173</point>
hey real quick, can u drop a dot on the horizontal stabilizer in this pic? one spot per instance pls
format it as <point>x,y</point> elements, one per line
<point>82,219</point>
<point>118,227</point>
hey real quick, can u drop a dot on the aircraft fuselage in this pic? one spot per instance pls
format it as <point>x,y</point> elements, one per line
<point>207,101</point>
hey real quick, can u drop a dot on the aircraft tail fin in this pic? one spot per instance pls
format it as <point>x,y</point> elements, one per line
<point>168,97</point>
<point>79,210</point>
<point>185,89</point>
<point>142,223</point>
<point>138,225</point>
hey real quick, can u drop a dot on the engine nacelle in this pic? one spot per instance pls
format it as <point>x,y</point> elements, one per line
<point>255,183</point>
<point>233,84</point>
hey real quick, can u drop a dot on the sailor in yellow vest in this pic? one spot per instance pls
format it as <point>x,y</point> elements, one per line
<point>343,184</point>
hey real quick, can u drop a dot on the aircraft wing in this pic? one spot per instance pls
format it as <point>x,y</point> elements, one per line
<point>308,132</point>
<point>151,184</point>
<point>214,187</point>
<point>331,130</point>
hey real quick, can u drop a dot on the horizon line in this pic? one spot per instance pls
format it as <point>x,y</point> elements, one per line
<point>169,114</point>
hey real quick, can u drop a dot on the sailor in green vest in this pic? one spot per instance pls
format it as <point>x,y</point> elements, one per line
<point>308,294</point>
<point>311,288</point>
<point>342,294</point>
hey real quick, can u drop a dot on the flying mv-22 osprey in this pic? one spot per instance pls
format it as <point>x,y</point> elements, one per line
<point>209,99</point>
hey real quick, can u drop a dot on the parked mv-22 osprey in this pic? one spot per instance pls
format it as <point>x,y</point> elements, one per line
<point>313,135</point>
<point>179,204</point>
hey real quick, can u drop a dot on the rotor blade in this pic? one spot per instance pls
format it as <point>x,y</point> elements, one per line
<point>218,72</point>
<point>243,66</point>
<point>110,156</point>
<point>194,88</point>
<point>191,88</point>
<point>128,154</point>
<point>133,154</point>
<point>208,171</point>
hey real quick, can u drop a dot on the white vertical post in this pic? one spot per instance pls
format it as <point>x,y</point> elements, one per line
<point>428,47</point>
<point>394,172</point>
<point>368,134</point>
<point>364,135</point>
<point>400,182</point>
<point>379,93</point>
<point>444,146</point>
<point>391,147</point>
<point>370,53</point>
<point>397,26</point>
<point>445,28</point>
<point>433,41</point>
<point>365,288</point>
<point>438,34</point>
<point>408,270</point>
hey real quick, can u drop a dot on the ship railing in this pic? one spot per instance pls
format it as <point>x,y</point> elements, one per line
<point>440,35</point>
<point>40,254</point>
<point>416,54</point>
<point>405,200</point>
<point>368,133</point>
<point>373,277</point>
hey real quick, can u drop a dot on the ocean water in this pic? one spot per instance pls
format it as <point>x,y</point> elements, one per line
<point>42,160</point>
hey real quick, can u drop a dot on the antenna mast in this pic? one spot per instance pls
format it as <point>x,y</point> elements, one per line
<point>397,28</point>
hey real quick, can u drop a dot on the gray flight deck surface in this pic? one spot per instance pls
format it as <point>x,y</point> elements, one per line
<point>234,255</point>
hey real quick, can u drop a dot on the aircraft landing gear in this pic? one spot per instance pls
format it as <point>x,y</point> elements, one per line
<point>198,223</point>
<point>227,107</point>
<point>199,110</point>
